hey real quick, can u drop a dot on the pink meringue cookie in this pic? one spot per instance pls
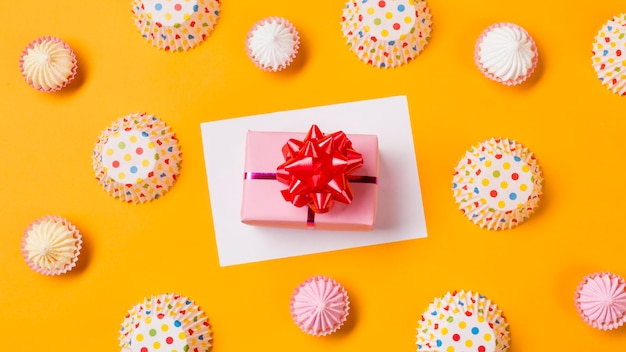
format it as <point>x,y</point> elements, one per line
<point>319,306</point>
<point>601,300</point>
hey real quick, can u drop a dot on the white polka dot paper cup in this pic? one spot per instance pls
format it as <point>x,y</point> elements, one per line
<point>463,322</point>
<point>137,158</point>
<point>497,184</point>
<point>175,25</point>
<point>166,322</point>
<point>609,54</point>
<point>386,33</point>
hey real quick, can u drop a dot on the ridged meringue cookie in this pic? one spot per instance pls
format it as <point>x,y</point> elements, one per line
<point>51,245</point>
<point>506,53</point>
<point>601,300</point>
<point>273,43</point>
<point>319,306</point>
<point>48,64</point>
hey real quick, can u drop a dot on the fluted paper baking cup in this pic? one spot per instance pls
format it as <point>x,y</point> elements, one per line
<point>463,322</point>
<point>272,43</point>
<point>166,322</point>
<point>387,33</point>
<point>137,159</point>
<point>506,53</point>
<point>497,184</point>
<point>48,64</point>
<point>175,25</point>
<point>319,306</point>
<point>609,54</point>
<point>601,300</point>
<point>51,245</point>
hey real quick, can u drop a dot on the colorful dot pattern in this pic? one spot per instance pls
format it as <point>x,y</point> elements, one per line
<point>129,156</point>
<point>159,334</point>
<point>175,25</point>
<point>137,158</point>
<point>497,184</point>
<point>463,322</point>
<point>386,33</point>
<point>609,54</point>
<point>170,12</point>
<point>166,322</point>
<point>391,20</point>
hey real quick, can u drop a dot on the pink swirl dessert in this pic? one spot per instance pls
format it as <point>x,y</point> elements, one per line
<point>319,306</point>
<point>601,300</point>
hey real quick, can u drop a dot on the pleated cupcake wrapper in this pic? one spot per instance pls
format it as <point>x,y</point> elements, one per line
<point>609,55</point>
<point>180,36</point>
<point>510,82</point>
<point>380,52</point>
<point>454,307</point>
<point>69,79</point>
<point>296,47</point>
<point>465,181</point>
<point>618,322</point>
<point>327,329</point>
<point>167,309</point>
<point>66,224</point>
<point>166,168</point>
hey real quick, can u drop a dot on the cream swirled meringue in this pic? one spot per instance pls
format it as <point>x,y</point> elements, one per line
<point>48,64</point>
<point>319,306</point>
<point>601,300</point>
<point>51,245</point>
<point>273,43</point>
<point>506,53</point>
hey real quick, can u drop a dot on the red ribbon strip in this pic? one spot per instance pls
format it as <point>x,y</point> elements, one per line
<point>316,170</point>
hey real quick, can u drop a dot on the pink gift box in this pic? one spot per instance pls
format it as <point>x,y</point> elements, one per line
<point>264,205</point>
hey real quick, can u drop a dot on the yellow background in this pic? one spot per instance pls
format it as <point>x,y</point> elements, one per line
<point>563,114</point>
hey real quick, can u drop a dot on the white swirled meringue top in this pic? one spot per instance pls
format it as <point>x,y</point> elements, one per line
<point>50,245</point>
<point>48,64</point>
<point>506,52</point>
<point>273,43</point>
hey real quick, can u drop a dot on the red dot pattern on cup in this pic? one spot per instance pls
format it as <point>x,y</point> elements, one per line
<point>129,156</point>
<point>462,322</point>
<point>137,158</point>
<point>389,20</point>
<point>175,25</point>
<point>170,12</point>
<point>609,54</point>
<point>387,33</point>
<point>167,322</point>
<point>497,184</point>
<point>159,334</point>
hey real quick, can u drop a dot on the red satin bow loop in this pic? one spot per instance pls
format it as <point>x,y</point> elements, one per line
<point>316,170</point>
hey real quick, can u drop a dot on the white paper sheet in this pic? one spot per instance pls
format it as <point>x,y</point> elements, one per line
<point>400,211</point>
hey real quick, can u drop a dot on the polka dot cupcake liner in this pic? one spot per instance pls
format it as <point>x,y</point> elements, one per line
<point>463,322</point>
<point>386,33</point>
<point>609,54</point>
<point>497,184</point>
<point>175,25</point>
<point>52,245</point>
<point>166,322</point>
<point>137,158</point>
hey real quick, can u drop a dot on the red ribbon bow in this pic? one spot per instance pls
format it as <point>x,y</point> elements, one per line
<point>317,168</point>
